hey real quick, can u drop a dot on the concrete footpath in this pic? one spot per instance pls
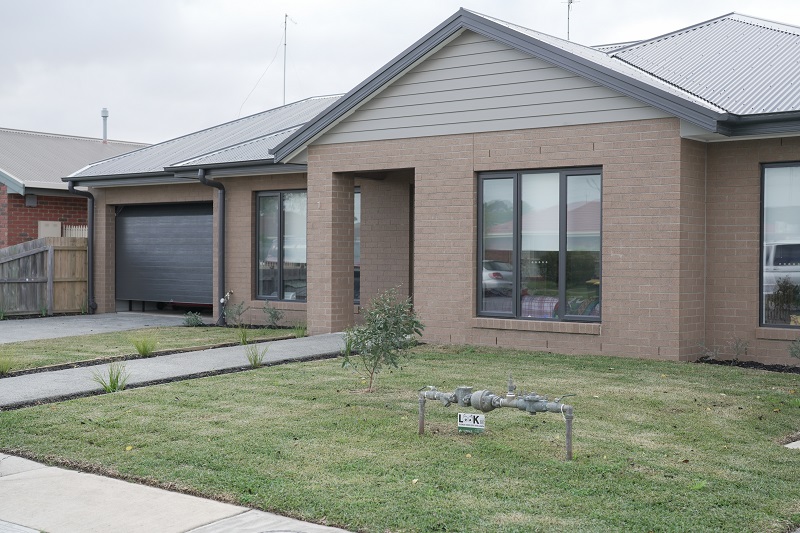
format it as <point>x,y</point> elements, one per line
<point>35,497</point>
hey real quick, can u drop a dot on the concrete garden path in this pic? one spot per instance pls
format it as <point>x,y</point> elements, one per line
<point>62,384</point>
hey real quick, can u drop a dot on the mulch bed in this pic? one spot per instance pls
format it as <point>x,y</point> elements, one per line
<point>786,369</point>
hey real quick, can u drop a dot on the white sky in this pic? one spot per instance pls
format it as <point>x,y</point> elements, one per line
<point>165,68</point>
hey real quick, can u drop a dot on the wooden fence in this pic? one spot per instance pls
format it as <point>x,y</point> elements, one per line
<point>44,276</point>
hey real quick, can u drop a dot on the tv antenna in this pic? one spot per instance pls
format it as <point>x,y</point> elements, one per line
<point>569,9</point>
<point>286,18</point>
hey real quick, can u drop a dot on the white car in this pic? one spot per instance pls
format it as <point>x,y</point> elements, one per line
<point>498,278</point>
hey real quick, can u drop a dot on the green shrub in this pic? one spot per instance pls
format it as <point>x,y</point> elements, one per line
<point>794,349</point>
<point>390,327</point>
<point>242,333</point>
<point>255,356</point>
<point>233,313</point>
<point>300,330</point>
<point>5,366</point>
<point>739,347</point>
<point>193,320</point>
<point>144,346</point>
<point>114,379</point>
<point>273,315</point>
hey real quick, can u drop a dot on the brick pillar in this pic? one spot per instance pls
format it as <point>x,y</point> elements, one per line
<point>330,252</point>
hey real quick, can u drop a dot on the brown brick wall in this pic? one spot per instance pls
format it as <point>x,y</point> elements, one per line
<point>385,234</point>
<point>21,224</point>
<point>734,237</point>
<point>649,188</point>
<point>239,241</point>
<point>330,251</point>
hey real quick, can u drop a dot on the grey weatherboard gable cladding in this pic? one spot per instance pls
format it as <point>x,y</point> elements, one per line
<point>599,65</point>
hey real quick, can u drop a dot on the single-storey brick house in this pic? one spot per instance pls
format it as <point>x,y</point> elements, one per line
<point>32,194</point>
<point>639,199</point>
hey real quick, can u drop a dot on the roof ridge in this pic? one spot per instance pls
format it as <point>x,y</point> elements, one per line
<point>664,80</point>
<point>766,23</point>
<point>739,17</point>
<point>67,136</point>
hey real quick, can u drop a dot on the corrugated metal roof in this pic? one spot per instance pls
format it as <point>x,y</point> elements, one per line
<point>40,160</point>
<point>591,55</point>
<point>244,139</point>
<point>606,48</point>
<point>252,150</point>
<point>742,64</point>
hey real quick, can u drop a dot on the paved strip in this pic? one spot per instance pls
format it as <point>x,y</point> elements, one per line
<point>53,327</point>
<point>59,384</point>
<point>36,498</point>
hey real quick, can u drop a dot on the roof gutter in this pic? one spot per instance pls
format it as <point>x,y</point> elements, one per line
<point>91,303</point>
<point>201,177</point>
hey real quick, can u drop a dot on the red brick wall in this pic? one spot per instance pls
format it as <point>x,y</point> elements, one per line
<point>22,223</point>
<point>3,217</point>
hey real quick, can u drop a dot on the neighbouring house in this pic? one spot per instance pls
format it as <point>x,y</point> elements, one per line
<point>34,201</point>
<point>640,199</point>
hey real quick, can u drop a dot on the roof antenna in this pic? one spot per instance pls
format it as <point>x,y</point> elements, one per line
<point>569,9</point>
<point>286,18</point>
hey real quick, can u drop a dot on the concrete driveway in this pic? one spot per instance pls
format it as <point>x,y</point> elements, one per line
<point>53,327</point>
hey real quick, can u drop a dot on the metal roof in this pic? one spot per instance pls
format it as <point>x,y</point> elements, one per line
<point>612,47</point>
<point>244,139</point>
<point>742,64</point>
<point>39,160</point>
<point>580,60</point>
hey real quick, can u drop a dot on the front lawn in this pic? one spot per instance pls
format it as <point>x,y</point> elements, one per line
<point>38,353</point>
<point>658,446</point>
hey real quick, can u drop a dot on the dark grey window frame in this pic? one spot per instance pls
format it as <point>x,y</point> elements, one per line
<point>281,236</point>
<point>764,166</point>
<point>516,175</point>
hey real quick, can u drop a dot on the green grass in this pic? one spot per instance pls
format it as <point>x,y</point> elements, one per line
<point>658,446</point>
<point>34,354</point>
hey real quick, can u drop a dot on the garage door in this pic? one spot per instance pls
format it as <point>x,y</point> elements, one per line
<point>164,253</point>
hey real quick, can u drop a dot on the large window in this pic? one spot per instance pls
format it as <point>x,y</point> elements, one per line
<point>780,256</point>
<point>281,245</point>
<point>539,249</point>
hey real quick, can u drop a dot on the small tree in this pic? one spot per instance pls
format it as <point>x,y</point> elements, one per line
<point>390,327</point>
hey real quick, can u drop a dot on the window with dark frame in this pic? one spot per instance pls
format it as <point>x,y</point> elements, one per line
<point>780,250</point>
<point>281,245</point>
<point>539,244</point>
<point>281,272</point>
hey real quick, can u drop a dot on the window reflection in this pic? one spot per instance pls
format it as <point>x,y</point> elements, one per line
<point>780,300</point>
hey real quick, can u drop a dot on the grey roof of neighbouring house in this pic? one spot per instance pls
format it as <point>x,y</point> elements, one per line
<point>35,160</point>
<point>247,139</point>
<point>742,64</point>
<point>734,75</point>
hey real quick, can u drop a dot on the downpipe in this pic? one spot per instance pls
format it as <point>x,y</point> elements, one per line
<point>221,298</point>
<point>91,304</point>
<point>486,401</point>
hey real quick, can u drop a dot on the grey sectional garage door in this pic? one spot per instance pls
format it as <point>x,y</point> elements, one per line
<point>164,253</point>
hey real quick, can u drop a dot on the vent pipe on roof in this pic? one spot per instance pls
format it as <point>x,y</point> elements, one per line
<point>104,114</point>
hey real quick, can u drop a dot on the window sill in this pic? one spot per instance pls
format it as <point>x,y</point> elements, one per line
<point>578,328</point>
<point>777,334</point>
